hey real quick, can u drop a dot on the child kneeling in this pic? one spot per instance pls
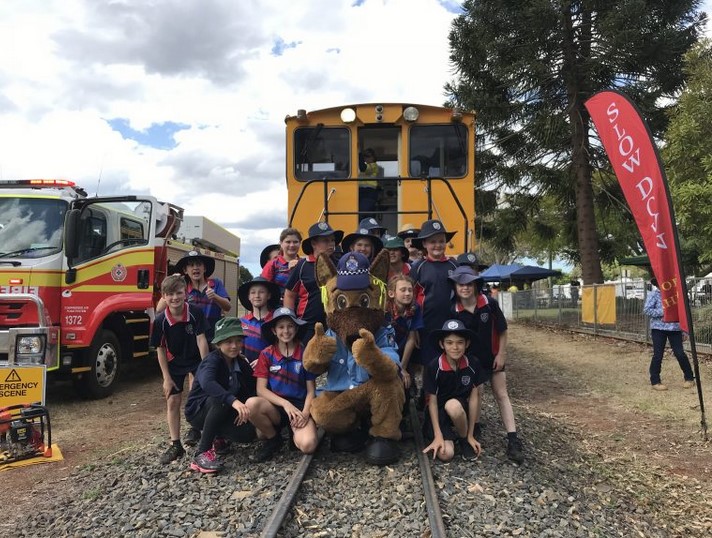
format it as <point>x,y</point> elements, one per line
<point>216,403</point>
<point>450,384</point>
<point>285,390</point>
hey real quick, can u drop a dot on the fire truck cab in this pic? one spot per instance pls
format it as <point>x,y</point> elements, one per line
<point>80,277</point>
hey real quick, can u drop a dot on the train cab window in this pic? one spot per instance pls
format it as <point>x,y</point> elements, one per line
<point>379,169</point>
<point>321,152</point>
<point>438,150</point>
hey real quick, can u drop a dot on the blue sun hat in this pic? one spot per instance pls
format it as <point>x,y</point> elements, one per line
<point>464,274</point>
<point>280,313</point>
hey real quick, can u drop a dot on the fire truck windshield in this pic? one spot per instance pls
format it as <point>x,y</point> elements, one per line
<point>31,227</point>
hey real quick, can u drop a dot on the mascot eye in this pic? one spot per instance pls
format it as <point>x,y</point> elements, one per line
<point>341,302</point>
<point>364,301</point>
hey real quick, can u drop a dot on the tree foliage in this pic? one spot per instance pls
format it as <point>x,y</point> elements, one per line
<point>527,67</point>
<point>687,156</point>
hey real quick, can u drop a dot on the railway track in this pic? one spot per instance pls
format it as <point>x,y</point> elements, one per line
<point>435,520</point>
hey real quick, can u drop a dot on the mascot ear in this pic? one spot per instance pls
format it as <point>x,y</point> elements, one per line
<point>325,269</point>
<point>381,265</point>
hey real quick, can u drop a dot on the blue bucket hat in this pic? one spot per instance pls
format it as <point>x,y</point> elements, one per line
<point>353,272</point>
<point>464,274</point>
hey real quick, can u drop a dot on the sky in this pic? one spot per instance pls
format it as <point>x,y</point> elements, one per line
<point>185,99</point>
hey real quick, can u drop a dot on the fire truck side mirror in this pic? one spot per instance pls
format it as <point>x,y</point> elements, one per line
<point>71,235</point>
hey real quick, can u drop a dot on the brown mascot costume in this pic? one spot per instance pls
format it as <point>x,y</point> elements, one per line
<point>363,383</point>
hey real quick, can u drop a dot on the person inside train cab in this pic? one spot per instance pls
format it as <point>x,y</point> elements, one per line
<point>368,183</point>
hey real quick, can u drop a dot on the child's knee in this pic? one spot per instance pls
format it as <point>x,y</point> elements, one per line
<point>454,408</point>
<point>448,451</point>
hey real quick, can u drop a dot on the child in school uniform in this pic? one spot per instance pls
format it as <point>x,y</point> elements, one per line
<point>285,390</point>
<point>433,290</point>
<point>482,315</point>
<point>450,383</point>
<point>278,268</point>
<point>404,315</point>
<point>217,401</point>
<point>363,241</point>
<point>398,255</point>
<point>179,338</point>
<point>260,297</point>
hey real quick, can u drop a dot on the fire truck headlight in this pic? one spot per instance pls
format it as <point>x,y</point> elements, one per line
<point>30,349</point>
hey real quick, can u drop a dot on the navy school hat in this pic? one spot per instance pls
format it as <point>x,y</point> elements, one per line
<point>373,226</point>
<point>320,229</point>
<point>264,255</point>
<point>470,258</point>
<point>243,292</point>
<point>464,274</point>
<point>194,255</point>
<point>280,313</point>
<point>430,228</point>
<point>451,326</point>
<point>353,272</point>
<point>361,233</point>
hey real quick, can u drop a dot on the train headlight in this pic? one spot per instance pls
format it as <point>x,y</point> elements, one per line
<point>348,115</point>
<point>411,114</point>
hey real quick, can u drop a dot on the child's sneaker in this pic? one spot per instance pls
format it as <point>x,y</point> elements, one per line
<point>174,452</point>
<point>206,462</point>
<point>192,438</point>
<point>268,449</point>
<point>515,450</point>
<point>221,446</point>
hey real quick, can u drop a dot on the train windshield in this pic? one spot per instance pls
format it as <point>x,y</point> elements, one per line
<point>438,150</point>
<point>321,152</point>
<point>31,227</point>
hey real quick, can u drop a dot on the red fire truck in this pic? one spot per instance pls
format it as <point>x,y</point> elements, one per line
<point>80,276</point>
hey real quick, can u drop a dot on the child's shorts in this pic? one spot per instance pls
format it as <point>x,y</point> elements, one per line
<point>179,379</point>
<point>446,426</point>
<point>284,418</point>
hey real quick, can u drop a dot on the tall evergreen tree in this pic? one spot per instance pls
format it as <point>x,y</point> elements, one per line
<point>527,67</point>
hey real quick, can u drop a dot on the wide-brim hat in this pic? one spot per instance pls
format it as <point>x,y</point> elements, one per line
<point>449,327</point>
<point>358,234</point>
<point>243,292</point>
<point>394,243</point>
<point>320,229</point>
<point>408,230</point>
<point>353,272</point>
<point>371,224</point>
<point>280,313</point>
<point>463,274</point>
<point>226,328</point>
<point>429,229</point>
<point>194,255</point>
<point>264,255</point>
<point>470,258</point>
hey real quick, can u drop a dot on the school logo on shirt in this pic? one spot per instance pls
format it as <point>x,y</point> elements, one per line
<point>188,328</point>
<point>484,317</point>
<point>465,380</point>
<point>275,368</point>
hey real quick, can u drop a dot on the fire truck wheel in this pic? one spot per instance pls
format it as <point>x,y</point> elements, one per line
<point>104,357</point>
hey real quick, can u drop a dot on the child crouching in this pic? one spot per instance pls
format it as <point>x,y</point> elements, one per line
<point>285,390</point>
<point>450,384</point>
<point>216,403</point>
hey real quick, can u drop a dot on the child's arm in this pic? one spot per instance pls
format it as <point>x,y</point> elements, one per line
<point>410,345</point>
<point>501,357</point>
<point>311,393</point>
<point>203,346</point>
<point>263,390</point>
<point>168,384</point>
<point>438,443</point>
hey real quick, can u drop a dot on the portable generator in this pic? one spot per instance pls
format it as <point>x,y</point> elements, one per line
<point>25,432</point>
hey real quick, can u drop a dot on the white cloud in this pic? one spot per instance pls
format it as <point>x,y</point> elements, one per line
<point>68,66</point>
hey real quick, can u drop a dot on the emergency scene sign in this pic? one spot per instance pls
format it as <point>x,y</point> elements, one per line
<point>22,385</point>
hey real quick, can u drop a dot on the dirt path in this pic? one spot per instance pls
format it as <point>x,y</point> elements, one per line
<point>650,441</point>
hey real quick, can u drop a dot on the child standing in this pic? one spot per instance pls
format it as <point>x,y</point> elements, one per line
<point>433,291</point>
<point>216,403</point>
<point>179,338</point>
<point>279,268</point>
<point>259,297</point>
<point>450,384</point>
<point>406,318</point>
<point>482,315</point>
<point>363,241</point>
<point>285,390</point>
<point>398,255</point>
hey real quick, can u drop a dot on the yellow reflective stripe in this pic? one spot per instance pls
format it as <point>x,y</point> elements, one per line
<point>140,354</point>
<point>81,369</point>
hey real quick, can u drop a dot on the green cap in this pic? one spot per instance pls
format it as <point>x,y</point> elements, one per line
<point>226,328</point>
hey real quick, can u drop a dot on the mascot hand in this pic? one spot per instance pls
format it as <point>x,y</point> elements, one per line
<point>319,351</point>
<point>364,346</point>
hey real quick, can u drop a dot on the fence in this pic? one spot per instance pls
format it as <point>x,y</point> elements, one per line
<point>614,309</point>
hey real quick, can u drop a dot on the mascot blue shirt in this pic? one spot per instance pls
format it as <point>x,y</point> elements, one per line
<point>344,373</point>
